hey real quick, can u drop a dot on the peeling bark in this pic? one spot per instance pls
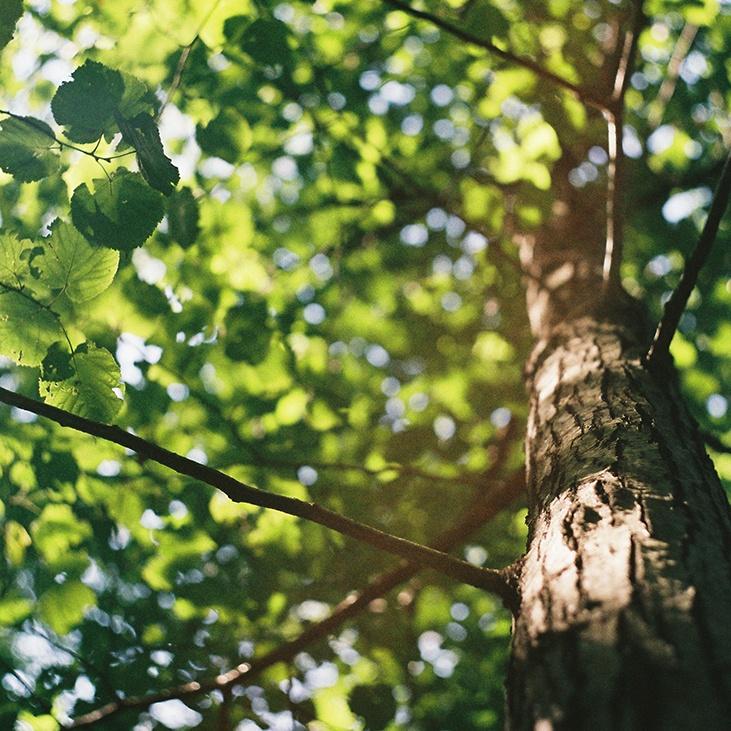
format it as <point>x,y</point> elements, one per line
<point>626,583</point>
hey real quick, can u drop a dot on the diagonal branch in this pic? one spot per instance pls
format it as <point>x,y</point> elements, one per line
<point>675,306</point>
<point>582,95</point>
<point>483,508</point>
<point>490,580</point>
<point>614,115</point>
<point>714,442</point>
<point>667,89</point>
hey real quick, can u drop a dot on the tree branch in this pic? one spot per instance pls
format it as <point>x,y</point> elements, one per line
<point>675,306</point>
<point>240,492</point>
<point>667,89</point>
<point>482,508</point>
<point>582,95</point>
<point>614,114</point>
<point>715,442</point>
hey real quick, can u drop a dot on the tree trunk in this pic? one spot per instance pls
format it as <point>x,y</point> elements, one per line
<point>625,588</point>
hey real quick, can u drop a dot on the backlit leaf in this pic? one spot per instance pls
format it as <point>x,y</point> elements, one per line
<point>27,329</point>
<point>57,530</point>
<point>89,391</point>
<point>14,258</point>
<point>62,607</point>
<point>69,263</point>
<point>28,150</point>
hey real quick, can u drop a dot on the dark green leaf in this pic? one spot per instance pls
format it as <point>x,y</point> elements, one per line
<point>142,133</point>
<point>28,150</point>
<point>264,40</point>
<point>247,337</point>
<point>228,136</point>
<point>121,213</point>
<point>10,12</point>
<point>183,217</point>
<point>56,366</point>
<point>485,20</point>
<point>86,104</point>
<point>374,703</point>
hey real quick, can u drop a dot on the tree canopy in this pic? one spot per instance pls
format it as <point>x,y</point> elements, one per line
<point>280,240</point>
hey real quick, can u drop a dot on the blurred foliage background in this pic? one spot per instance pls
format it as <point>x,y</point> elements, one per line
<point>331,309</point>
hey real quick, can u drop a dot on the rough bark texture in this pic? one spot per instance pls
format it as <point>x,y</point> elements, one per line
<point>625,610</point>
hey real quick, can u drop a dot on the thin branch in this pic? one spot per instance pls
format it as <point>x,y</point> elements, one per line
<point>178,75</point>
<point>614,115</point>
<point>404,470</point>
<point>240,492</point>
<point>31,693</point>
<point>715,442</point>
<point>667,88</point>
<point>482,508</point>
<point>582,95</point>
<point>256,458</point>
<point>675,306</point>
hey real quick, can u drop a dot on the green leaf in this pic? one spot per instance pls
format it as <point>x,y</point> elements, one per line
<point>10,12</point>
<point>57,530</point>
<point>374,703</point>
<point>264,40</point>
<point>175,553</point>
<point>62,607</point>
<point>228,136</point>
<point>183,217</point>
<point>56,366</point>
<point>45,722</point>
<point>26,328</point>
<point>142,133</point>
<point>14,609</point>
<point>14,260</point>
<point>28,150</point>
<point>121,213</point>
<point>136,98</point>
<point>89,391</point>
<point>247,337</point>
<point>71,264</point>
<point>17,539</point>
<point>485,20</point>
<point>86,104</point>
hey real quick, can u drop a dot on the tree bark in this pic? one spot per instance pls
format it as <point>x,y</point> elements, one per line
<point>625,588</point>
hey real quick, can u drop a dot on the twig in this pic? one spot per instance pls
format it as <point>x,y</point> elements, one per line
<point>667,88</point>
<point>178,75</point>
<point>484,507</point>
<point>715,442</point>
<point>614,115</point>
<point>582,95</point>
<point>32,122</point>
<point>240,492</point>
<point>675,306</point>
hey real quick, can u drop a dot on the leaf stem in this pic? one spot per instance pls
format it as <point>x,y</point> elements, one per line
<point>30,122</point>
